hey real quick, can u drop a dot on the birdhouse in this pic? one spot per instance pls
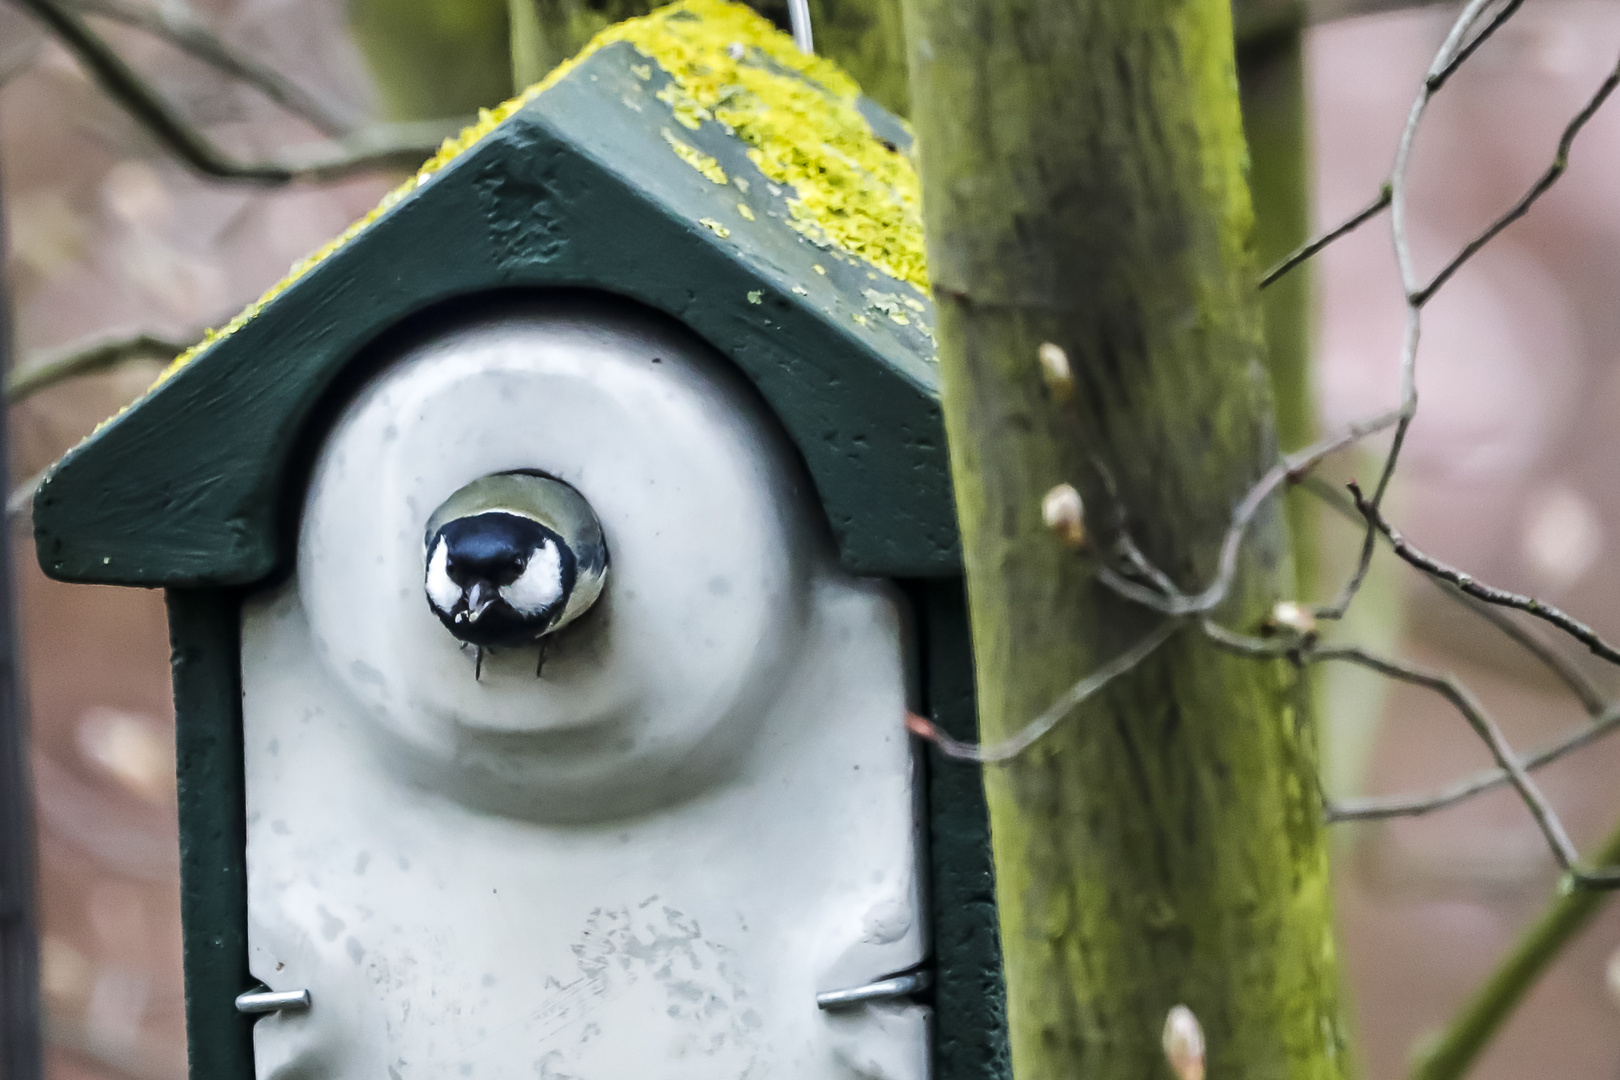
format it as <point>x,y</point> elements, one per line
<point>551,563</point>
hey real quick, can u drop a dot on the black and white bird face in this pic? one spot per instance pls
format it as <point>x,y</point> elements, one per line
<point>512,557</point>
<point>498,579</point>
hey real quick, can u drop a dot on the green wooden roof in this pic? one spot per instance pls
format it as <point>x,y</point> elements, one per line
<point>615,177</point>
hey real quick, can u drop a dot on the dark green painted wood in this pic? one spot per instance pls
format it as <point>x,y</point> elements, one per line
<point>578,190</point>
<point>205,636</point>
<point>970,1018</point>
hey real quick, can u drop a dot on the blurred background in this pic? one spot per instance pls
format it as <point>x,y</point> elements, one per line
<point>1508,473</point>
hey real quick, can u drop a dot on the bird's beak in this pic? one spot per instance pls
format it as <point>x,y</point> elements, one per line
<point>479,597</point>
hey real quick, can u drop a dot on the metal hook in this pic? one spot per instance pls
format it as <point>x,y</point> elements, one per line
<point>895,987</point>
<point>268,1001</point>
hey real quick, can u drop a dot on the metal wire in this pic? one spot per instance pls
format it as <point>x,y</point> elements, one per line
<point>799,20</point>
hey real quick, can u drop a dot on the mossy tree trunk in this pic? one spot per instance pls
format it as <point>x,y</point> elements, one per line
<point>1082,166</point>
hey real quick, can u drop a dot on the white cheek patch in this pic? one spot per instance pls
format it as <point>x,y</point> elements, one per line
<point>440,589</point>
<point>540,584</point>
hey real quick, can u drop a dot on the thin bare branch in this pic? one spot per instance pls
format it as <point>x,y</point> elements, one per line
<point>1510,770</point>
<point>1290,469</point>
<point>1310,248</point>
<point>400,146</point>
<point>1544,182</point>
<point>1010,747</point>
<point>1456,47</point>
<point>1464,702</point>
<point>1392,806</point>
<point>85,358</point>
<point>1490,594</point>
<point>1456,52</point>
<point>1591,697</point>
<point>175,23</point>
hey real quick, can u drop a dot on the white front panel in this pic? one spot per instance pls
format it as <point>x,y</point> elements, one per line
<point>644,864</point>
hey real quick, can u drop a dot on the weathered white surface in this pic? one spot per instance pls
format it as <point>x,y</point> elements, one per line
<point>646,863</point>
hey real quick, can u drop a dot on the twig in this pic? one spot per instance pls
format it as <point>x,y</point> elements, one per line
<point>1010,747</point>
<point>1490,594</point>
<point>384,147</point>
<point>1510,769</point>
<point>1456,47</point>
<point>1310,248</point>
<point>1381,807</point>
<point>174,22</point>
<point>1591,697</point>
<point>86,358</point>
<point>1541,811</point>
<point>1289,469</point>
<point>1449,1056</point>
<point>1446,686</point>
<point>1545,181</point>
<point>1460,51</point>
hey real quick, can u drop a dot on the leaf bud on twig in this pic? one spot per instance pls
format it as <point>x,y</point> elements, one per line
<point>1184,1044</point>
<point>1294,616</point>
<point>1055,370</point>
<point>1063,513</point>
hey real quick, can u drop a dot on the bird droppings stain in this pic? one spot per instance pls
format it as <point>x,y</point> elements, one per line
<point>618,948</point>
<point>354,949</point>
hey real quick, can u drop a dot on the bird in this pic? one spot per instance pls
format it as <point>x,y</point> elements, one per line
<point>511,558</point>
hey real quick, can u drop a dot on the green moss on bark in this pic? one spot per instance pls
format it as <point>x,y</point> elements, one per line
<point>1083,177</point>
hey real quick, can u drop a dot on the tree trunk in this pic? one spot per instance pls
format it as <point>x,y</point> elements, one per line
<point>1082,166</point>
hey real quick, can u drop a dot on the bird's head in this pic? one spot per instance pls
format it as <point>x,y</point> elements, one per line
<point>498,579</point>
<point>512,557</point>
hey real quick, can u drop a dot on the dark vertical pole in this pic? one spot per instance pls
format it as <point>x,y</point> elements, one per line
<point>205,633</point>
<point>970,998</point>
<point>20,1054</point>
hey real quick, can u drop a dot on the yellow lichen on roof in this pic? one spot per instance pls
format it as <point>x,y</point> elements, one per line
<point>696,158</point>
<point>797,113</point>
